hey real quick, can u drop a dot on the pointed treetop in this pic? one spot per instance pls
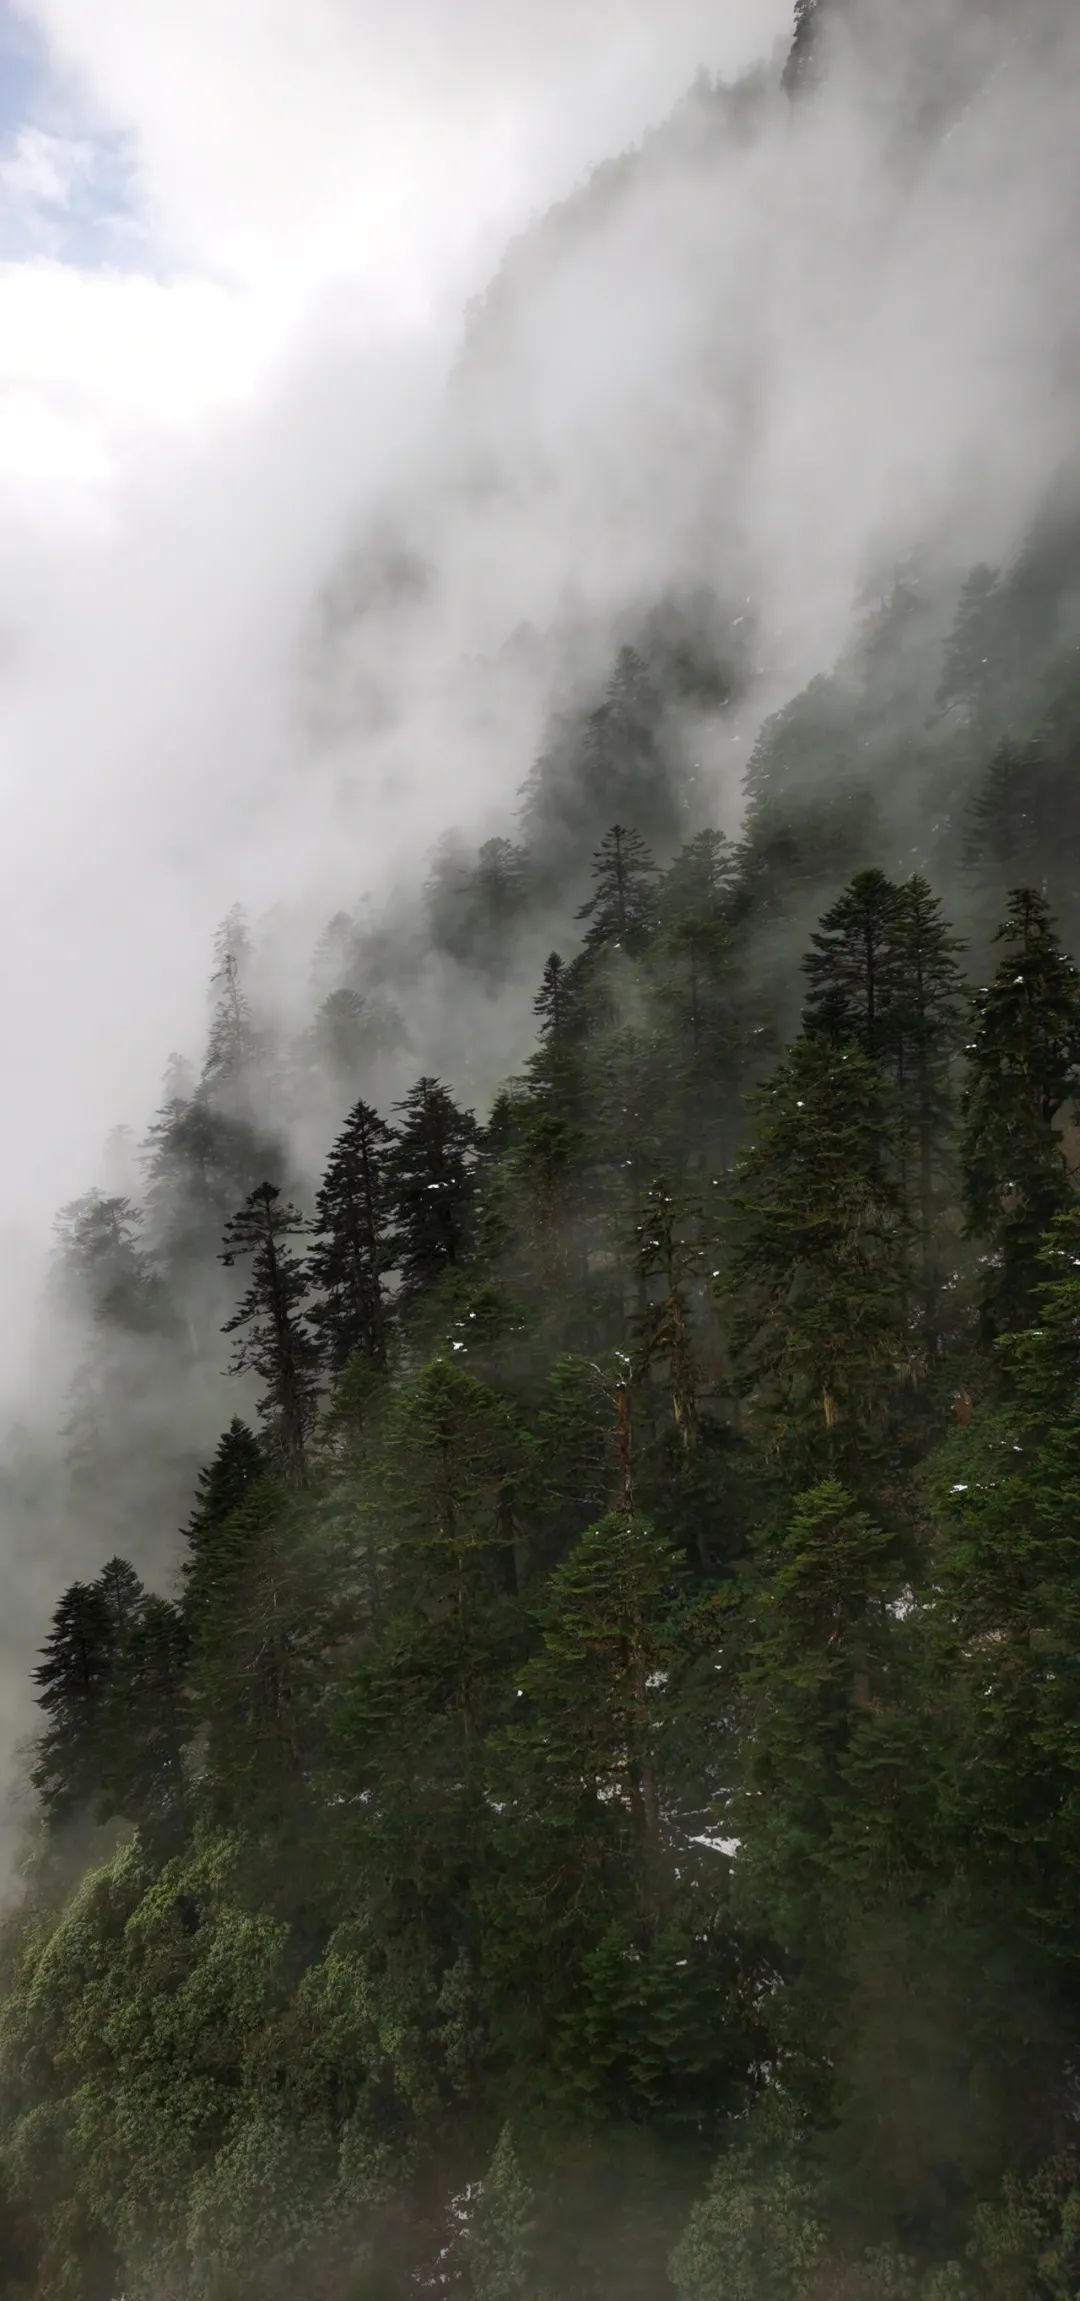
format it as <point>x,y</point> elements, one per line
<point>622,908</point>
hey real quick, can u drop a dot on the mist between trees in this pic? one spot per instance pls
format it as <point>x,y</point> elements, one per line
<point>591,1810</point>
<point>555,1774</point>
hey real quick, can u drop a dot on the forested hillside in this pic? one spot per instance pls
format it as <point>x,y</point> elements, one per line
<point>588,1807</point>
<point>594,1810</point>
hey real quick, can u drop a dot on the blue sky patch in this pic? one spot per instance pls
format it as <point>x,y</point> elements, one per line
<point>68,189</point>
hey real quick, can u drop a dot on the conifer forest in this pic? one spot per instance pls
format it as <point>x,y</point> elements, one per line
<point>569,1790</point>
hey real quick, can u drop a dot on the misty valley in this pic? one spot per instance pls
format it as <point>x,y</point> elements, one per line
<point>544,1585</point>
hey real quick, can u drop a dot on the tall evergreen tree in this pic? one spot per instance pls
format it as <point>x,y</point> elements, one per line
<point>817,1281</point>
<point>144,1723</point>
<point>671,1261</point>
<point>926,1029</point>
<point>224,1485</point>
<point>503,2233</point>
<point>431,1184</point>
<point>972,675</point>
<point>274,1340</point>
<point>233,1041</point>
<point>851,966</point>
<point>622,907</point>
<point>101,1257</point>
<point>883,977</point>
<point>90,1626</point>
<point>351,1254</point>
<point>554,1003</point>
<point>1023,1077</point>
<point>709,1011</point>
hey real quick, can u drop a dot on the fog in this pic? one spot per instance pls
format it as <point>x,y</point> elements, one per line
<point>779,361</point>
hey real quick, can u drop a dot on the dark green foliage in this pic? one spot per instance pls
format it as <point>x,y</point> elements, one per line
<point>1024,1072</point>
<point>621,910</point>
<point>274,1339</point>
<point>851,967</point>
<point>223,1487</point>
<point>144,1725</point>
<point>817,1280</point>
<point>606,1795</point>
<point>431,1184</point>
<point>93,1623</point>
<point>350,1256</point>
<point>614,763</point>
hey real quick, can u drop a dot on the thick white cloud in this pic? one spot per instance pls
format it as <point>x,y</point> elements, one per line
<point>290,145</point>
<point>787,362</point>
<point>802,353</point>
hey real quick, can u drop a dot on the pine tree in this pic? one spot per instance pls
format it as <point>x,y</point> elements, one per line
<point>821,1672</point>
<point>851,967</point>
<point>431,1183</point>
<point>883,977</point>
<point>341,1033</point>
<point>503,2233</point>
<point>224,1485</point>
<point>351,1254</point>
<point>200,1159</point>
<point>258,1677</point>
<point>440,1510</point>
<point>100,1257</point>
<point>144,1724</point>
<point>233,1041</point>
<point>89,1628</point>
<point>708,1011</point>
<point>698,886</point>
<point>1024,1074</point>
<point>538,1198</point>
<point>926,1029</point>
<point>270,1321</point>
<point>554,1004</point>
<point>972,676</point>
<point>622,908</point>
<point>817,1280</point>
<point>803,57</point>
<point>556,1072</point>
<point>1005,1624</point>
<point>610,763</point>
<point>450,1474</point>
<point>671,1261</point>
<point>593,1692</point>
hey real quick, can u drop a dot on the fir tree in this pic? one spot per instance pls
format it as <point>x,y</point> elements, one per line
<point>261,1638</point>
<point>1024,1073</point>
<point>851,967</point>
<point>233,1041</point>
<point>883,977</point>
<point>817,1282</point>
<point>431,1184</point>
<point>270,1322</point>
<point>582,1760</point>
<point>671,1260</point>
<point>100,1256</point>
<point>926,1029</point>
<point>803,54</point>
<point>144,1724</point>
<point>351,1255</point>
<point>622,907</point>
<point>503,2233</point>
<point>554,1004</point>
<point>707,1008</point>
<point>972,675</point>
<point>556,1072</point>
<point>223,1487</point>
<point>89,1628</point>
